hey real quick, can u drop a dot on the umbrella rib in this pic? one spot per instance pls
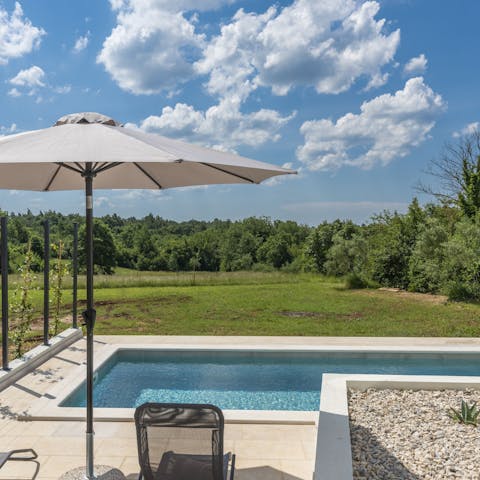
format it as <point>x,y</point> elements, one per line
<point>106,166</point>
<point>249,180</point>
<point>147,175</point>
<point>52,179</point>
<point>69,167</point>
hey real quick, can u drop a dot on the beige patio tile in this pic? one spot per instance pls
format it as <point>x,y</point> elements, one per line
<point>60,445</point>
<point>18,441</point>
<point>36,428</point>
<point>69,429</point>
<point>17,470</point>
<point>114,430</point>
<point>258,472</point>
<point>269,450</point>
<point>130,466</point>
<point>56,465</point>
<point>293,469</point>
<point>116,447</point>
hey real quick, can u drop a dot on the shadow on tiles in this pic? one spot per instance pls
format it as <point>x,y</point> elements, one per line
<point>253,473</point>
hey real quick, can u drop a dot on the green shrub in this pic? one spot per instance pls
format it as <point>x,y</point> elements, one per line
<point>458,291</point>
<point>355,281</point>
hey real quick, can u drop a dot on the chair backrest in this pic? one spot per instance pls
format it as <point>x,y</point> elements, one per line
<point>175,439</point>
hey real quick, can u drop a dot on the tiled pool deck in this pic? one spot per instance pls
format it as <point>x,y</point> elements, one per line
<point>266,452</point>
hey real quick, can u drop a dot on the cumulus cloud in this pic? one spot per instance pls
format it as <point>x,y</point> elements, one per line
<point>416,65</point>
<point>467,130</point>
<point>14,92</point>
<point>31,81</point>
<point>152,46</point>
<point>31,77</point>
<point>17,34</point>
<point>328,45</point>
<point>222,126</point>
<point>81,43</point>
<point>386,128</point>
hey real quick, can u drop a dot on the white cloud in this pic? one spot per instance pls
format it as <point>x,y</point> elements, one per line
<point>387,127</point>
<point>31,77</point>
<point>8,130</point>
<point>63,90</point>
<point>14,92</point>
<point>377,81</point>
<point>81,43</point>
<point>467,130</point>
<point>416,65</point>
<point>325,44</point>
<point>31,82</point>
<point>17,34</point>
<point>222,126</point>
<point>152,47</point>
<point>103,202</point>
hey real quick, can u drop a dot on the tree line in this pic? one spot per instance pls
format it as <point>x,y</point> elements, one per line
<point>431,248</point>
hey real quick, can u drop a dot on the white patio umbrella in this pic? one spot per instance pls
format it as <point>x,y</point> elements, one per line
<point>84,148</point>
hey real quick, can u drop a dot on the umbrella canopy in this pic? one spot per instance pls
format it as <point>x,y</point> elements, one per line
<point>52,158</point>
<point>84,148</point>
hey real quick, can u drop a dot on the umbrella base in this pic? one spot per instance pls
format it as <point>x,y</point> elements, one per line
<point>102,472</point>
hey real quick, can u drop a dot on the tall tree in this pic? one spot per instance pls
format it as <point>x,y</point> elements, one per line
<point>457,174</point>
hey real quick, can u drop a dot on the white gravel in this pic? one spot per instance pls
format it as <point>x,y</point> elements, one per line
<point>406,434</point>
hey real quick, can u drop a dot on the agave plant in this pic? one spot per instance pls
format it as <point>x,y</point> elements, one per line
<point>467,414</point>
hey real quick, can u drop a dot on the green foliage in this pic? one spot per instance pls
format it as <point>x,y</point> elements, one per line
<point>22,308</point>
<point>355,282</point>
<point>469,196</point>
<point>432,248</point>
<point>104,248</point>
<point>467,414</point>
<point>57,276</point>
<point>425,274</point>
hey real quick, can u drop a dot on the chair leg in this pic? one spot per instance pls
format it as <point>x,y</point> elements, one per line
<point>22,458</point>
<point>232,467</point>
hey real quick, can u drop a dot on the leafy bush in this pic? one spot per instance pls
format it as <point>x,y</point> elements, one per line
<point>22,306</point>
<point>355,282</point>
<point>458,291</point>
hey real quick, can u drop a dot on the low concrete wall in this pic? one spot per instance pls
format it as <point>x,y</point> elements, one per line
<point>334,455</point>
<point>38,355</point>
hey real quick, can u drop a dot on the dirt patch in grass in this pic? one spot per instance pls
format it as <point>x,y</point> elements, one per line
<point>329,315</point>
<point>157,301</point>
<point>396,292</point>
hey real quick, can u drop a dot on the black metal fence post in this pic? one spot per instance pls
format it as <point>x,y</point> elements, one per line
<point>4,267</point>
<point>46,280</point>
<point>75,274</point>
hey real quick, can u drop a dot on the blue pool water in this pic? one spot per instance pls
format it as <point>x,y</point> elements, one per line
<point>247,380</point>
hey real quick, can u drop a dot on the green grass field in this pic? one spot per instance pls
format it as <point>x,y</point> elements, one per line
<point>266,304</point>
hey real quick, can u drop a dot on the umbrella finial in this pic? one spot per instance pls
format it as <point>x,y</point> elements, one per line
<point>87,117</point>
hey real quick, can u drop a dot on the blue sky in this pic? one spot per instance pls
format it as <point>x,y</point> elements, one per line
<point>357,96</point>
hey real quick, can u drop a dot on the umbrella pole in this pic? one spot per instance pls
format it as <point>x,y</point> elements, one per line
<point>89,316</point>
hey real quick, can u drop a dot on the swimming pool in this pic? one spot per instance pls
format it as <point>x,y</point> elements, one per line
<point>240,380</point>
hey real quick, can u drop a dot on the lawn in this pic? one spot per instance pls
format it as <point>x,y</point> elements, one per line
<point>266,304</point>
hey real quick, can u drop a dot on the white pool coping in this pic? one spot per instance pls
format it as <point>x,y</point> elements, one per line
<point>49,408</point>
<point>333,454</point>
<point>20,367</point>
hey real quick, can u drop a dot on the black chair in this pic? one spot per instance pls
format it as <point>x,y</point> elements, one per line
<point>20,455</point>
<point>181,442</point>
